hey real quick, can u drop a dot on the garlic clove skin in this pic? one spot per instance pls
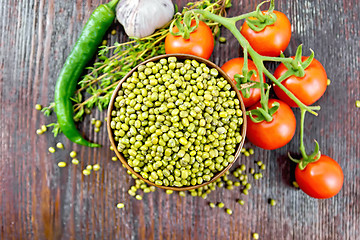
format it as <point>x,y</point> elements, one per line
<point>141,18</point>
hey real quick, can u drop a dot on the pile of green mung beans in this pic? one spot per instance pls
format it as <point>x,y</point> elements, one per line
<point>177,122</point>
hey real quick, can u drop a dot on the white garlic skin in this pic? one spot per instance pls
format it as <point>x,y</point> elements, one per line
<point>141,18</point>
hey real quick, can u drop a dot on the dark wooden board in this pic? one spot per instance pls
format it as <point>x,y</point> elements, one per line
<point>38,200</point>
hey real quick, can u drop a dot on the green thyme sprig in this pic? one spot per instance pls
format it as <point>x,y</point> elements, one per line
<point>47,110</point>
<point>114,62</point>
<point>105,75</point>
<point>56,128</point>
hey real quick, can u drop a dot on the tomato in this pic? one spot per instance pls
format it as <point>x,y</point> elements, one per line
<point>200,43</point>
<point>272,39</point>
<point>321,179</point>
<point>308,89</point>
<point>234,66</point>
<point>274,134</point>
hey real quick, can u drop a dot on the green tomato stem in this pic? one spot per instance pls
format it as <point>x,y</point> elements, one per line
<point>242,16</point>
<point>302,147</point>
<point>245,67</point>
<point>278,59</point>
<point>284,76</point>
<point>263,100</point>
<point>306,159</point>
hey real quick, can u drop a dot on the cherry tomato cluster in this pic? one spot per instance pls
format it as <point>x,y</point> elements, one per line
<point>322,178</point>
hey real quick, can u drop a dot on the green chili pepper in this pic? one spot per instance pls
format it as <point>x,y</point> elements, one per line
<point>83,51</point>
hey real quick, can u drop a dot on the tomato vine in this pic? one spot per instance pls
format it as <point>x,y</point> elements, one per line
<point>295,65</point>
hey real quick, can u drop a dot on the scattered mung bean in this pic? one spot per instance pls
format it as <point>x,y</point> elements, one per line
<point>120,205</point>
<point>73,154</point>
<point>222,39</point>
<point>43,128</point>
<point>220,205</point>
<point>75,161</point>
<point>62,164</point>
<point>96,167</point>
<point>38,107</point>
<point>241,202</point>
<point>295,184</point>
<point>357,103</point>
<point>59,145</point>
<point>228,211</point>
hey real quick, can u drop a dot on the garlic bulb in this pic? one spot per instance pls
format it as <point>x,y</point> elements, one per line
<point>140,18</point>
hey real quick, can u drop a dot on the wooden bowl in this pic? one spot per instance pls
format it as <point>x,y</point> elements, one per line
<point>180,57</point>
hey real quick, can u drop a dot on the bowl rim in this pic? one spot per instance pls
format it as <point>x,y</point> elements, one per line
<point>182,57</point>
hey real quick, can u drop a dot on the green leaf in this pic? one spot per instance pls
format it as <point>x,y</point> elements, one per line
<point>274,108</point>
<point>261,21</point>
<point>187,19</point>
<point>78,116</point>
<point>176,8</point>
<point>298,54</point>
<point>316,154</point>
<point>255,115</point>
<point>309,60</point>
<point>293,159</point>
<point>228,4</point>
<point>47,110</point>
<point>56,128</point>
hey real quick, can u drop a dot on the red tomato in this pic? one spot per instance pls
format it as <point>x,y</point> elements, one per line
<point>272,39</point>
<point>274,134</point>
<point>234,66</point>
<point>307,89</point>
<point>200,43</point>
<point>321,179</point>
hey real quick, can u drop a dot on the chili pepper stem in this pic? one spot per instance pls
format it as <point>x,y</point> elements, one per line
<point>112,4</point>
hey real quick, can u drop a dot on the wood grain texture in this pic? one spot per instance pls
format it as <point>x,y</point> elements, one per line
<point>38,200</point>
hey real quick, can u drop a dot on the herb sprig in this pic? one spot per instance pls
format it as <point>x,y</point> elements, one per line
<point>114,62</point>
